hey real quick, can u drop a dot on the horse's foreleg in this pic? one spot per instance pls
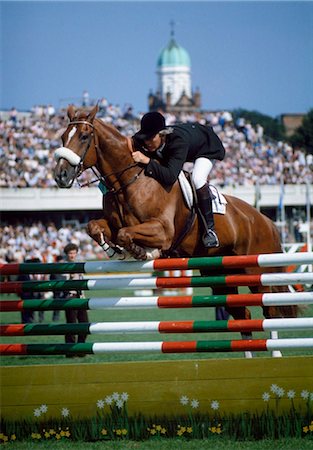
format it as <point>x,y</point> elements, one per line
<point>151,234</point>
<point>99,231</point>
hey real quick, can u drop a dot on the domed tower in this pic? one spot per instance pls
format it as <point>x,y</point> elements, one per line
<point>173,72</point>
<point>174,91</point>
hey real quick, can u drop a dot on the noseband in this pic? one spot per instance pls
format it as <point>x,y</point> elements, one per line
<point>72,157</point>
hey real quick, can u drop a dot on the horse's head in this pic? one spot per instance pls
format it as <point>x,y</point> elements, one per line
<point>79,147</point>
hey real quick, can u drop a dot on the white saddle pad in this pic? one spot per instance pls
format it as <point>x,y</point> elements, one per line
<point>218,203</point>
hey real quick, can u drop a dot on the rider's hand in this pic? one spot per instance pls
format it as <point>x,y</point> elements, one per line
<point>139,157</point>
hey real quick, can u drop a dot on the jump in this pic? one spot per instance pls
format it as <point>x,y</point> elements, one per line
<point>148,220</point>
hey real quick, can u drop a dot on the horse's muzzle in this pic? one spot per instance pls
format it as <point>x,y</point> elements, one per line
<point>64,174</point>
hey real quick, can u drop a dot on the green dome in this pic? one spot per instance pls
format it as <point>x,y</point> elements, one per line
<point>173,55</point>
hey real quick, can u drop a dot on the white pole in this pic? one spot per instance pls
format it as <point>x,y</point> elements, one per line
<point>308,220</point>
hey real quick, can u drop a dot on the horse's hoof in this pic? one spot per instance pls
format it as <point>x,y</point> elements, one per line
<point>138,252</point>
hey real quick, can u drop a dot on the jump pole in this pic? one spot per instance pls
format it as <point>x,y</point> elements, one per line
<point>192,326</point>
<point>197,301</point>
<point>156,347</point>
<point>272,279</point>
<point>205,263</point>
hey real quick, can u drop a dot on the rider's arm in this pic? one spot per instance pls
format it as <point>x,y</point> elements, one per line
<point>167,169</point>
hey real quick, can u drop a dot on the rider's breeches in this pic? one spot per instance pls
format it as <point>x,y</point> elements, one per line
<point>201,170</point>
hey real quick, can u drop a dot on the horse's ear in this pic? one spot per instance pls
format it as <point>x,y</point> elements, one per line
<point>93,113</point>
<point>71,112</point>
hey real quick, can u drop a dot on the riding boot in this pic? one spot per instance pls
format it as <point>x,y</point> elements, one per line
<point>209,237</point>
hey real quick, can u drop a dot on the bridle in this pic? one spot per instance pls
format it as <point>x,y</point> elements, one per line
<point>78,162</point>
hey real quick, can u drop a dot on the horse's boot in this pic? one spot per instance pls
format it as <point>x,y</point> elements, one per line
<point>209,237</point>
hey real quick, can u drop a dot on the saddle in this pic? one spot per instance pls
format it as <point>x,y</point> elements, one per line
<point>219,202</point>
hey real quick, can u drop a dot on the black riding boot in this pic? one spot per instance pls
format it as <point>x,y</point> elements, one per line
<point>209,237</point>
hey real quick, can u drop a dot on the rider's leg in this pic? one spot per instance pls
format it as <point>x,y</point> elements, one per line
<point>201,170</point>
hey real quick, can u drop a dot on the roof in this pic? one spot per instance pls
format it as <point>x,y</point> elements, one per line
<point>173,55</point>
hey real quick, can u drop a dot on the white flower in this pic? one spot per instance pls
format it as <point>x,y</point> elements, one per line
<point>266,396</point>
<point>280,392</point>
<point>119,403</point>
<point>274,388</point>
<point>37,412</point>
<point>184,400</point>
<point>116,396</point>
<point>43,408</point>
<point>124,396</point>
<point>100,404</point>
<point>215,404</point>
<point>65,412</point>
<point>311,396</point>
<point>305,394</point>
<point>108,400</point>
<point>291,394</point>
<point>194,403</point>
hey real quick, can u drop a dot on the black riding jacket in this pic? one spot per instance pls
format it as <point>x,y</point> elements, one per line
<point>187,142</point>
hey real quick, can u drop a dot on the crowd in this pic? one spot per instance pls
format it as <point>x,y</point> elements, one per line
<point>27,145</point>
<point>45,242</point>
<point>28,142</point>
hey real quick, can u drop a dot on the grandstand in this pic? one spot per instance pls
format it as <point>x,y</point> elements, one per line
<point>271,175</point>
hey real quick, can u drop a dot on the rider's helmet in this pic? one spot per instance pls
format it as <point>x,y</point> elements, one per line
<point>151,124</point>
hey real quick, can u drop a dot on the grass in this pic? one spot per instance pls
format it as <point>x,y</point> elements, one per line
<point>172,444</point>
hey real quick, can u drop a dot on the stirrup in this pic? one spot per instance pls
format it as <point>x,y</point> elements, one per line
<point>210,239</point>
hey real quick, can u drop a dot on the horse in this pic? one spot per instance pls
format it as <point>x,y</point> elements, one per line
<point>139,214</point>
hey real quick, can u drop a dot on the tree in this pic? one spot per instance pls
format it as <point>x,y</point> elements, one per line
<point>303,136</point>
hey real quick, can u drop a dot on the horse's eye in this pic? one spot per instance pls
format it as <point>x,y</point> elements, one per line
<point>84,137</point>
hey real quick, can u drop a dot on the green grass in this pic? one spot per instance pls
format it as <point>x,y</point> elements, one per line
<point>172,444</point>
<point>141,315</point>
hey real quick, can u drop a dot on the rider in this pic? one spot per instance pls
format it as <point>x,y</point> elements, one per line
<point>164,150</point>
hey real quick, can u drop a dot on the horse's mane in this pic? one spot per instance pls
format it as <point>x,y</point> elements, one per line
<point>83,115</point>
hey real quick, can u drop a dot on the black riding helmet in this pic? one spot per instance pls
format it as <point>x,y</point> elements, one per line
<point>151,124</point>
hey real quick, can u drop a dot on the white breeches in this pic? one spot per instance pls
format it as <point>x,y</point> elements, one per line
<point>201,170</point>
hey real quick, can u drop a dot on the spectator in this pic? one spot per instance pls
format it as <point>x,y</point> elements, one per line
<point>74,315</point>
<point>27,316</point>
<point>59,295</point>
<point>85,101</point>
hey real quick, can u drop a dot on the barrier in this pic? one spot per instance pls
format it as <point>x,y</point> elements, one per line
<point>271,279</point>
<point>190,326</point>
<point>196,301</point>
<point>207,263</point>
<point>237,384</point>
<point>159,347</point>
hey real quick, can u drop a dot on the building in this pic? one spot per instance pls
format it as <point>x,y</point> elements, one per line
<point>291,122</point>
<point>174,89</point>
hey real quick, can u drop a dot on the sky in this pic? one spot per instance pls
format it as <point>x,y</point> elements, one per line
<point>251,55</point>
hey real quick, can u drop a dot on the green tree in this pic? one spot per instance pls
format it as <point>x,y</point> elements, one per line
<point>303,136</point>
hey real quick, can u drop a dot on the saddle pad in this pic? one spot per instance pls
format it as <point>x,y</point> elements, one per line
<point>219,202</point>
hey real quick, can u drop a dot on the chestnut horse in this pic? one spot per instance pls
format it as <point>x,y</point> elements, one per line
<point>140,214</point>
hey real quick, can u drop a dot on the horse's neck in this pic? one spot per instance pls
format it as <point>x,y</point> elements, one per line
<point>113,151</point>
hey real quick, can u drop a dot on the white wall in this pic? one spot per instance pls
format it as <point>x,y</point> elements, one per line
<point>91,198</point>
